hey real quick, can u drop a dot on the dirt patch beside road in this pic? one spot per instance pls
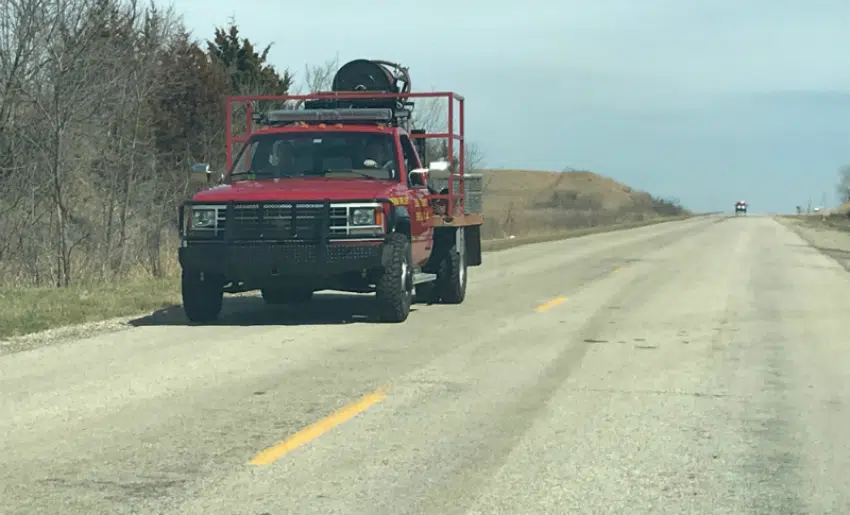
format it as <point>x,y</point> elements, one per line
<point>829,237</point>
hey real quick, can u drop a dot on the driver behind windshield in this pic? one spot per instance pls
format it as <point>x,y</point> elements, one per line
<point>273,160</point>
<point>287,160</point>
<point>261,160</point>
<point>376,156</point>
<point>292,157</point>
<point>281,157</point>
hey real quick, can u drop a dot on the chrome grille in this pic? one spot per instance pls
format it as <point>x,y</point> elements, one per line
<point>277,221</point>
<point>301,221</point>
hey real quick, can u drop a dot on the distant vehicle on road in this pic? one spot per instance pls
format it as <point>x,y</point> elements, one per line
<point>741,207</point>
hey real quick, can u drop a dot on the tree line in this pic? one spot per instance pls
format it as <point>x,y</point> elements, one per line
<point>843,186</point>
<point>104,105</point>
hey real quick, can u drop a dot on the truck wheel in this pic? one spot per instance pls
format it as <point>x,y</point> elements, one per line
<point>202,296</point>
<point>394,288</point>
<point>281,296</point>
<point>451,276</point>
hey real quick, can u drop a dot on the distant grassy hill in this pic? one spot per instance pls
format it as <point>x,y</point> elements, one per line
<point>843,208</point>
<point>527,203</point>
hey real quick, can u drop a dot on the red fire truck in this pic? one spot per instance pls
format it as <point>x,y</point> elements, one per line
<point>330,192</point>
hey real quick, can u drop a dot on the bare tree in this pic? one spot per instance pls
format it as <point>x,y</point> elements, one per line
<point>319,77</point>
<point>431,114</point>
<point>473,156</point>
<point>843,186</point>
<point>69,102</point>
<point>77,79</point>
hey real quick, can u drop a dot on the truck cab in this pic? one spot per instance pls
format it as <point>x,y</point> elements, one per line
<point>741,207</point>
<point>332,195</point>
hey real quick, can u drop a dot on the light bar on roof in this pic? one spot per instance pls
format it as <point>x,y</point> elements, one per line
<point>330,115</point>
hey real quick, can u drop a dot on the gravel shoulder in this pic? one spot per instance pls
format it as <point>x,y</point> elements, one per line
<point>832,238</point>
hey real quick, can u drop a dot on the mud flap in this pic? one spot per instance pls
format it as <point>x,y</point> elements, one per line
<point>472,242</point>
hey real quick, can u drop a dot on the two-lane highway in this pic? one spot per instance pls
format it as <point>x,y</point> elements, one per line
<point>689,367</point>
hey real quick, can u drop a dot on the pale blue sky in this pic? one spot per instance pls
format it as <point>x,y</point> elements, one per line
<point>710,101</point>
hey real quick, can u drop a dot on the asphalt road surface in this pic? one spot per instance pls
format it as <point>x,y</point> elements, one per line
<point>700,366</point>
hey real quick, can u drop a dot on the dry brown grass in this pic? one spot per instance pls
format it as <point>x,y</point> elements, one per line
<point>834,219</point>
<point>534,206</point>
<point>843,209</point>
<point>527,203</point>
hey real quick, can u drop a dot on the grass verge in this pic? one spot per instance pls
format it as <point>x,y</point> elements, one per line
<point>28,310</point>
<point>502,244</point>
<point>841,223</point>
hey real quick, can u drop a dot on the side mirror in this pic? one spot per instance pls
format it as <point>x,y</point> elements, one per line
<point>201,168</point>
<point>418,176</point>
<point>202,172</point>
<point>438,166</point>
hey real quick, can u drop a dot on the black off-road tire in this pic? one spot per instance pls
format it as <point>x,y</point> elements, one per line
<point>276,296</point>
<point>451,275</point>
<point>202,296</point>
<point>394,288</point>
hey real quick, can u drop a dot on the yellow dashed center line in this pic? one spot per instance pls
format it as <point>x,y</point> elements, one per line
<point>551,304</point>
<point>316,430</point>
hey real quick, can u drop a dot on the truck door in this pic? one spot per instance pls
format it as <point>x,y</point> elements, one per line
<point>421,234</point>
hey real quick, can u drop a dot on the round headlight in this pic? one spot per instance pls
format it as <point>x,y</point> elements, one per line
<point>202,218</point>
<point>363,216</point>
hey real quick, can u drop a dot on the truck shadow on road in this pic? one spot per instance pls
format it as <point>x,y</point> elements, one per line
<point>324,309</point>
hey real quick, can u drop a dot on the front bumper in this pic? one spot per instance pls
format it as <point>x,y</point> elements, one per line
<point>247,261</point>
<point>269,239</point>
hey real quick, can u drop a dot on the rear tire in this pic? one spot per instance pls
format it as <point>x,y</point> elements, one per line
<point>394,288</point>
<point>451,275</point>
<point>202,296</point>
<point>275,296</point>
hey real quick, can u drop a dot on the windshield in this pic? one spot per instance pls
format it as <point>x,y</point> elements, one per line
<point>344,155</point>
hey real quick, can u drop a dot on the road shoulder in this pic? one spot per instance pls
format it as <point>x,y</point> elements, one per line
<point>831,239</point>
